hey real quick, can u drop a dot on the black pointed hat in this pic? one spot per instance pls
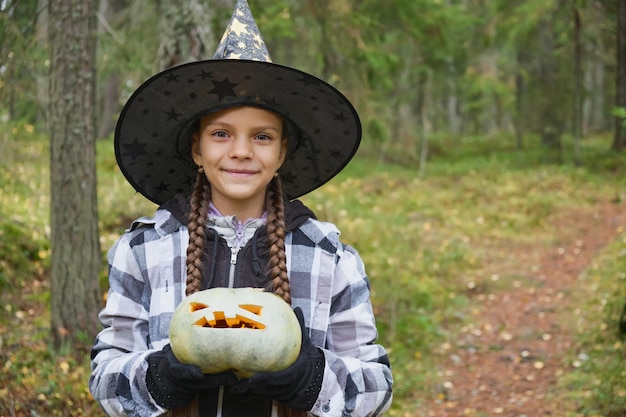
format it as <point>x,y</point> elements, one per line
<point>153,134</point>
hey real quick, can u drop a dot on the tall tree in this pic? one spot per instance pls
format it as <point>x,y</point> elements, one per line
<point>186,32</point>
<point>598,49</point>
<point>549,103</point>
<point>20,59</point>
<point>619,139</point>
<point>578,83</point>
<point>108,95</point>
<point>41,36</point>
<point>76,259</point>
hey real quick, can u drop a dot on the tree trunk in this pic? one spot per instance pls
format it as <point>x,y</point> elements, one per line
<point>186,34</point>
<point>550,103</point>
<point>595,110</point>
<point>619,139</point>
<point>519,100</point>
<point>452,99</point>
<point>578,83</point>
<point>108,95</point>
<point>76,257</point>
<point>425,122</point>
<point>320,13</point>
<point>42,80</point>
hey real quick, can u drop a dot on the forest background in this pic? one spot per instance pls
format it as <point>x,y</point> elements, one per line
<point>518,96</point>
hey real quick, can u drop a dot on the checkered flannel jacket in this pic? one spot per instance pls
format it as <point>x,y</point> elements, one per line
<point>327,281</point>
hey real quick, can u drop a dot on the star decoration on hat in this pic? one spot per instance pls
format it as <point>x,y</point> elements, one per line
<point>205,74</point>
<point>256,37</point>
<point>340,116</point>
<point>135,149</point>
<point>173,114</point>
<point>239,28</point>
<point>171,77</point>
<point>162,187</point>
<point>223,89</point>
<point>336,154</point>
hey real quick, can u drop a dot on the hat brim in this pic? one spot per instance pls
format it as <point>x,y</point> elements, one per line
<point>153,126</point>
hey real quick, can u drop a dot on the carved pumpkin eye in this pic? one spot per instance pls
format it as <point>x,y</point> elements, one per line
<point>221,320</point>
<point>195,306</point>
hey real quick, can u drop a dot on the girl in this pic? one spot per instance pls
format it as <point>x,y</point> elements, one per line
<point>225,146</point>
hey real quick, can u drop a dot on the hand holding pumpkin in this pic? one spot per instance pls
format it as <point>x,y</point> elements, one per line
<point>297,386</point>
<point>173,384</point>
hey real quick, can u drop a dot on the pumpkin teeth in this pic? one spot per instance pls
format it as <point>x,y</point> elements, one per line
<point>221,321</point>
<point>202,323</point>
<point>249,324</point>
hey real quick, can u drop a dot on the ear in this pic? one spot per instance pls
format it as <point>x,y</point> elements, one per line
<point>195,149</point>
<point>283,152</point>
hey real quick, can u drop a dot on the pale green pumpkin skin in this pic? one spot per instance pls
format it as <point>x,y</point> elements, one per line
<point>245,351</point>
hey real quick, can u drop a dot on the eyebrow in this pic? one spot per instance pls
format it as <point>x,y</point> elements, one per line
<point>268,128</point>
<point>229,125</point>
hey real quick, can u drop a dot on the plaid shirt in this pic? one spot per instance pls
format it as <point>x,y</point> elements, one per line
<point>327,279</point>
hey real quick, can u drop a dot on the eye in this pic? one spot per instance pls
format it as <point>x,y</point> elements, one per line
<point>222,134</point>
<point>263,137</point>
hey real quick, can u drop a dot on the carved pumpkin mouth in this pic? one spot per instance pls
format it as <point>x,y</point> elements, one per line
<point>246,318</point>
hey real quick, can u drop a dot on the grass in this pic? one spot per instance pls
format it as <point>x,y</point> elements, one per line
<point>423,236</point>
<point>600,372</point>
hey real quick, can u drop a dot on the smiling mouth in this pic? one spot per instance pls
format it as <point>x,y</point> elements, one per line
<point>239,172</point>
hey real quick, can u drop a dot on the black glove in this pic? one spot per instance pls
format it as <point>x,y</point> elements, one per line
<point>173,384</point>
<point>297,386</point>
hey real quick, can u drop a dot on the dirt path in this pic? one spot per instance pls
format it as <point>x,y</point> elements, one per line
<point>507,362</point>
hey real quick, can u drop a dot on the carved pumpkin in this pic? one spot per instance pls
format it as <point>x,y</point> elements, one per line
<point>243,330</point>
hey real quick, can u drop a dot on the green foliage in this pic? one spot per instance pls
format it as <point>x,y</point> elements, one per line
<point>24,246</point>
<point>276,19</point>
<point>36,380</point>
<point>620,112</point>
<point>128,45</point>
<point>22,60</point>
<point>412,67</point>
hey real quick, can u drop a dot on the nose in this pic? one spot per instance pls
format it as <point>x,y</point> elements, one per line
<point>241,147</point>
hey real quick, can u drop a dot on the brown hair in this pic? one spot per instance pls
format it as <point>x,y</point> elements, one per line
<point>277,264</point>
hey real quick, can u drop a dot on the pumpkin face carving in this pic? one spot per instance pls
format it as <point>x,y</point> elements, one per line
<point>243,330</point>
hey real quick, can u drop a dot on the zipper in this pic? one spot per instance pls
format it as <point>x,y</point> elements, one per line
<point>220,401</point>
<point>234,252</point>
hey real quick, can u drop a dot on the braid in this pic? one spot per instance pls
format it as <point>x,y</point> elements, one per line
<point>278,259</point>
<point>276,240</point>
<point>196,225</point>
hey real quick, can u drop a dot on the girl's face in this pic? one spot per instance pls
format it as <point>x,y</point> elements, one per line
<point>240,150</point>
